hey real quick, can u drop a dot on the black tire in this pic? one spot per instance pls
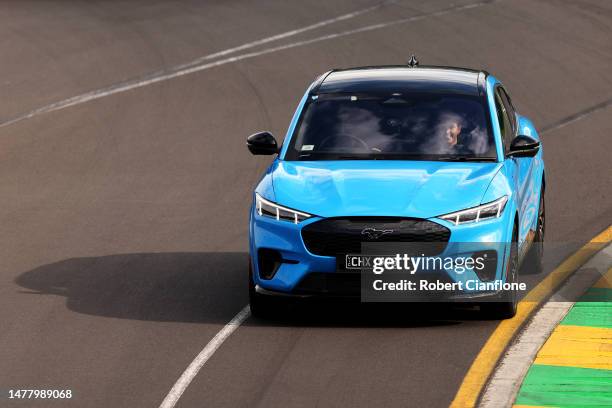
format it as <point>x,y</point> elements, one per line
<point>262,306</point>
<point>506,309</point>
<point>533,263</point>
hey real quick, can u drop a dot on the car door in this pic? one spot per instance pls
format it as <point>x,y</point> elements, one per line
<point>523,168</point>
<point>518,169</point>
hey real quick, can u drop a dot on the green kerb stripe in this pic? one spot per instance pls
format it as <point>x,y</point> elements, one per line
<point>566,387</point>
<point>597,295</point>
<point>594,309</point>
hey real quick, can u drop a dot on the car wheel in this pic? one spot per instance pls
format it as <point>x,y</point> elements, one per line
<point>506,309</point>
<point>261,305</point>
<point>533,263</point>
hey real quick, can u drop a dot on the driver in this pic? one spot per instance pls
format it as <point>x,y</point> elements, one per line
<point>452,133</point>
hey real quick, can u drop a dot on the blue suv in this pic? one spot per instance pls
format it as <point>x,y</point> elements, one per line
<point>395,154</point>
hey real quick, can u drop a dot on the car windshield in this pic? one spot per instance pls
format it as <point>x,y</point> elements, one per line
<point>393,127</point>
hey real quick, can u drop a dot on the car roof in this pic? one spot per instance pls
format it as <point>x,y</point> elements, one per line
<point>402,78</point>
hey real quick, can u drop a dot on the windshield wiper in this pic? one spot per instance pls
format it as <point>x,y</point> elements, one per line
<point>466,158</point>
<point>357,157</point>
<point>392,156</point>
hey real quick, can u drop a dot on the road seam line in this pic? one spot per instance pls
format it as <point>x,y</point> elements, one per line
<point>508,377</point>
<point>576,116</point>
<point>479,372</point>
<point>196,365</point>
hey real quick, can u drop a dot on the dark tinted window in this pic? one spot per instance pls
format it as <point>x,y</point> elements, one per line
<point>509,108</point>
<point>504,121</point>
<point>419,127</point>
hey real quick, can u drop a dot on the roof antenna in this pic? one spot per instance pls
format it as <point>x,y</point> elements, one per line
<point>413,62</point>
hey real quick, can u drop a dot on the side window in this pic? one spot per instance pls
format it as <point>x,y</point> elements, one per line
<point>504,122</point>
<point>509,108</point>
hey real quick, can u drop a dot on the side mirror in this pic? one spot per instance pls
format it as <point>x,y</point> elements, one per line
<point>524,146</point>
<point>262,143</point>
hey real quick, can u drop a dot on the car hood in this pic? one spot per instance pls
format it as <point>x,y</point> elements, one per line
<point>422,189</point>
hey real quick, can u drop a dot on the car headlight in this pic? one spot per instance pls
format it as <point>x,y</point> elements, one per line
<point>270,209</point>
<point>494,209</point>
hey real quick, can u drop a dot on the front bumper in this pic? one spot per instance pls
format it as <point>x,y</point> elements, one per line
<point>300,273</point>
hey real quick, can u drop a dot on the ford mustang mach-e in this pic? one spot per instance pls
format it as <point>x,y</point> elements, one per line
<point>395,154</point>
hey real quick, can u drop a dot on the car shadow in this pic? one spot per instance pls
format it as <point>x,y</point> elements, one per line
<point>204,287</point>
<point>177,287</point>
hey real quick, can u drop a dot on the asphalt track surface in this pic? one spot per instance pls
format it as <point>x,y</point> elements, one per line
<point>124,218</point>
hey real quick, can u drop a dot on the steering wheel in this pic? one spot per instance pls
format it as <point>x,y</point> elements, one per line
<point>345,136</point>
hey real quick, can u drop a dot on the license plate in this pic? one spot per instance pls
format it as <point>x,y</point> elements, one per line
<point>352,262</point>
<point>357,262</point>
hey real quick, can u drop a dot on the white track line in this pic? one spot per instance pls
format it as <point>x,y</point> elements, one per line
<point>508,377</point>
<point>283,35</point>
<point>178,72</point>
<point>189,374</point>
<point>124,86</point>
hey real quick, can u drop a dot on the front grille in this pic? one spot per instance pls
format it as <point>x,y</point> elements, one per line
<point>335,236</point>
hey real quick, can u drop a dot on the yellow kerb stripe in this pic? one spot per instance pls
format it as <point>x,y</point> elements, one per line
<point>578,346</point>
<point>527,406</point>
